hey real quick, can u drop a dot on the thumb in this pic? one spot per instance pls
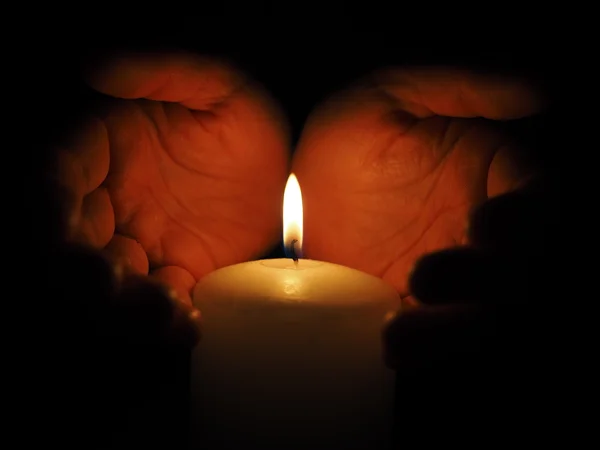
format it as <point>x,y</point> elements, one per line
<point>193,81</point>
<point>429,91</point>
<point>464,276</point>
<point>524,221</point>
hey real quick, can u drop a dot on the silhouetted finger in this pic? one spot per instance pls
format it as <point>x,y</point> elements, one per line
<point>149,314</point>
<point>186,322</point>
<point>180,280</point>
<point>461,275</point>
<point>522,222</point>
<point>427,336</point>
<point>81,284</point>
<point>127,254</point>
<point>186,325</point>
<point>142,310</point>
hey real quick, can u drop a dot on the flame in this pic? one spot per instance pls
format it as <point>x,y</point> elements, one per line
<point>292,216</point>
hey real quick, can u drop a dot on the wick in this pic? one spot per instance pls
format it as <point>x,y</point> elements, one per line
<point>293,251</point>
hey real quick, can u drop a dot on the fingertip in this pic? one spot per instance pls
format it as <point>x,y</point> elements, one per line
<point>96,225</point>
<point>89,146</point>
<point>519,222</point>
<point>128,254</point>
<point>145,298</point>
<point>75,261</point>
<point>459,275</point>
<point>178,279</point>
<point>95,70</point>
<point>152,313</point>
<point>83,281</point>
<point>186,324</point>
<point>186,328</point>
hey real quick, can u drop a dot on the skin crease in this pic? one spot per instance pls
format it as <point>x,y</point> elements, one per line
<point>391,168</point>
<point>183,173</point>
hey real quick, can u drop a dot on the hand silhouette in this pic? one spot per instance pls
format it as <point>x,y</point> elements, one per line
<point>391,168</point>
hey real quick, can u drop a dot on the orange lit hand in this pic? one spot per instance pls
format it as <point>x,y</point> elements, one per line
<point>183,173</point>
<point>391,168</point>
<point>403,177</point>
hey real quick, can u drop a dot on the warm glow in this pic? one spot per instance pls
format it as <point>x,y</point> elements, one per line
<point>292,214</point>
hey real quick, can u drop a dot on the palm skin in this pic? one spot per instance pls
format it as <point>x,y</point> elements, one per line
<point>184,172</point>
<point>391,168</point>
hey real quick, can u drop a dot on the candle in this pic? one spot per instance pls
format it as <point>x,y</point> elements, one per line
<point>291,353</point>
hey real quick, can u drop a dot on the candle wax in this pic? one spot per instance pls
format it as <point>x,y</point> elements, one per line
<point>291,358</point>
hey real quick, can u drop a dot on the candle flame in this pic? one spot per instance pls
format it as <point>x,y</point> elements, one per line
<point>292,217</point>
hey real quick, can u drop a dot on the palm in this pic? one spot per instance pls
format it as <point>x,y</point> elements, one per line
<point>382,187</point>
<point>184,176</point>
<point>197,190</point>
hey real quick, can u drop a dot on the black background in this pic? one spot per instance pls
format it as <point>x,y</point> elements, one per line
<point>300,60</point>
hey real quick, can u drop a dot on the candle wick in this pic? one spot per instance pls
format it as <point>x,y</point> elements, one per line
<point>293,251</point>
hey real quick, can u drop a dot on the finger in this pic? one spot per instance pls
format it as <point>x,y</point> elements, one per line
<point>195,82</point>
<point>141,312</point>
<point>79,168</point>
<point>96,224</point>
<point>128,254</point>
<point>425,337</point>
<point>522,222</point>
<point>409,302</point>
<point>426,92</point>
<point>82,163</point>
<point>460,276</point>
<point>51,206</point>
<point>77,269</point>
<point>186,326</point>
<point>180,280</point>
<point>148,314</point>
<point>186,317</point>
<point>510,169</point>
<point>81,283</point>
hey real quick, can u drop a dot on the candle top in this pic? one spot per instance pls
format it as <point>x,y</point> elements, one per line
<point>310,282</point>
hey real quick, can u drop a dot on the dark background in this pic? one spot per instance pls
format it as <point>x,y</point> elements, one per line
<point>300,60</point>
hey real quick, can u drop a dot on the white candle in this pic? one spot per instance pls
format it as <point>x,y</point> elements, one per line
<point>291,353</point>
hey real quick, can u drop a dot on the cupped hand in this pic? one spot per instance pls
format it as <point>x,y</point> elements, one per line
<point>490,301</point>
<point>116,356</point>
<point>391,168</point>
<point>182,173</point>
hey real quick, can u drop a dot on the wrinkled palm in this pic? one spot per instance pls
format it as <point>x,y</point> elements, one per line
<point>391,168</point>
<point>184,172</point>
